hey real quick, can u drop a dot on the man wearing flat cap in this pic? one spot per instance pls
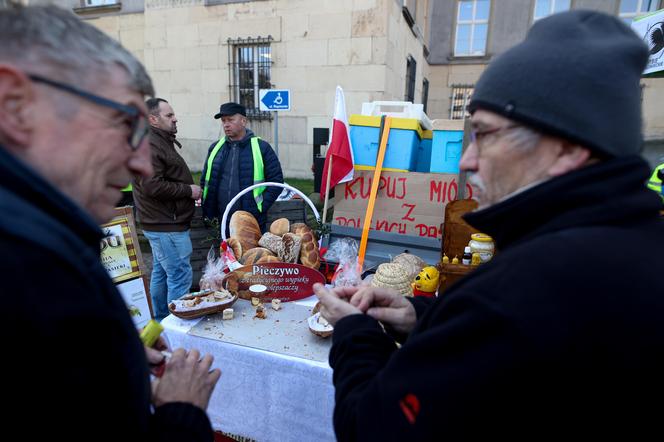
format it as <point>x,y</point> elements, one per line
<point>560,335</point>
<point>238,160</point>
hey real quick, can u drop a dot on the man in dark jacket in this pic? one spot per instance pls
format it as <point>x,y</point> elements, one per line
<point>235,162</point>
<point>560,335</point>
<point>72,133</point>
<point>165,207</point>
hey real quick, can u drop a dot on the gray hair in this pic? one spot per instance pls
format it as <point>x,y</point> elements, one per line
<point>55,42</point>
<point>523,137</point>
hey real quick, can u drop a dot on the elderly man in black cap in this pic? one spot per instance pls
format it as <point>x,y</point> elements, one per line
<point>560,336</point>
<point>238,160</point>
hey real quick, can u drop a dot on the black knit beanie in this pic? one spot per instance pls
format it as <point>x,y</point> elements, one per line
<point>576,75</point>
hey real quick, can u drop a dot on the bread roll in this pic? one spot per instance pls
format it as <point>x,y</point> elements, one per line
<point>253,255</point>
<point>245,228</point>
<point>235,246</point>
<point>309,255</point>
<point>290,250</point>
<point>271,242</point>
<point>280,226</point>
<point>266,259</point>
<point>300,229</point>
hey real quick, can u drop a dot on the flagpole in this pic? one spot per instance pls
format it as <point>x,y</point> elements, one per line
<point>327,189</point>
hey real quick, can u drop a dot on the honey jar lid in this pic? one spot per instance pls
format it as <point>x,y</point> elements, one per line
<point>481,237</point>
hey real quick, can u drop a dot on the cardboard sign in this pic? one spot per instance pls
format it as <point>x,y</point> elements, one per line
<point>287,282</point>
<point>408,203</point>
<point>121,257</point>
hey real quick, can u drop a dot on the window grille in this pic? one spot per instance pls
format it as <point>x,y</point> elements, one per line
<point>250,62</point>
<point>459,99</point>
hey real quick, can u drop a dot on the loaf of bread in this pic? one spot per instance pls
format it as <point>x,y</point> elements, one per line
<point>245,228</point>
<point>290,250</point>
<point>309,255</point>
<point>300,228</point>
<point>235,246</point>
<point>280,226</point>
<point>271,242</point>
<point>266,259</point>
<point>253,255</point>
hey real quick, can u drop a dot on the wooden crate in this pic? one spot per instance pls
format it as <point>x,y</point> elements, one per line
<point>456,234</point>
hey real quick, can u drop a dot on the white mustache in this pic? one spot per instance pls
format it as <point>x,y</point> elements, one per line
<point>476,181</point>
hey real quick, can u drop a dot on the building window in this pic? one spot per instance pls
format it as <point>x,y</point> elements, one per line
<point>411,66</point>
<point>544,8</point>
<point>250,62</point>
<point>459,99</point>
<point>472,27</point>
<point>90,3</point>
<point>425,94</point>
<point>630,9</point>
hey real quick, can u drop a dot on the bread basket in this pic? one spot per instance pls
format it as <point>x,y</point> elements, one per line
<point>229,206</point>
<point>199,312</point>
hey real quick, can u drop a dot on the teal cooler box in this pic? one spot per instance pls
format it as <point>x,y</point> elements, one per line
<point>402,145</point>
<point>424,152</point>
<point>446,146</point>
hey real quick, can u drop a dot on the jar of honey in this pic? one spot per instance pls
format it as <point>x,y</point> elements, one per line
<point>483,244</point>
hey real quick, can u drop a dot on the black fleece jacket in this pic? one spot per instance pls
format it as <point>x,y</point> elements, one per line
<point>74,368</point>
<point>245,170</point>
<point>560,336</point>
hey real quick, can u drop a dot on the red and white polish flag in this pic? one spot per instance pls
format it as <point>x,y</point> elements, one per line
<point>339,148</point>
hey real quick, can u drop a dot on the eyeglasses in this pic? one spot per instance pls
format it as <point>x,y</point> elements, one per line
<point>478,137</point>
<point>139,126</point>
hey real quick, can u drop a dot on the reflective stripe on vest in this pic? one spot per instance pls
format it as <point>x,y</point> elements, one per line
<point>259,169</point>
<point>655,183</point>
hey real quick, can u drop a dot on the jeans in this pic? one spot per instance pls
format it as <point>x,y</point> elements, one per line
<point>171,269</point>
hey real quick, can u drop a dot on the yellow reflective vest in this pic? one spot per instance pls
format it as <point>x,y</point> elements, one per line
<point>259,169</point>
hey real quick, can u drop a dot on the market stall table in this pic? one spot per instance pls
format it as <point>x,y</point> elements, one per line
<point>263,395</point>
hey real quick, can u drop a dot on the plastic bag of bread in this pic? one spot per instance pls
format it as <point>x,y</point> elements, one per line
<point>214,271</point>
<point>344,251</point>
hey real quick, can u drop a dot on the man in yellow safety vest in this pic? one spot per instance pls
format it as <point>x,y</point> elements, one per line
<point>236,161</point>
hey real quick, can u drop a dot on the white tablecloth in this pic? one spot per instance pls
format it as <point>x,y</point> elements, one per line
<point>262,395</point>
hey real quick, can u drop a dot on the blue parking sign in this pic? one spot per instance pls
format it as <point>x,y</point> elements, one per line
<point>274,99</point>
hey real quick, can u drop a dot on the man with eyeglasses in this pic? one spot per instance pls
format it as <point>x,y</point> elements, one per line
<point>560,335</point>
<point>74,366</point>
<point>165,208</point>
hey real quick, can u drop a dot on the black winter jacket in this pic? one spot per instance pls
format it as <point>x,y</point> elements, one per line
<point>74,367</point>
<point>163,201</point>
<point>560,336</point>
<point>273,173</point>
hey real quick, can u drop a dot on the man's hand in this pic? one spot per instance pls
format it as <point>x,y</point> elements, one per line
<point>334,303</point>
<point>386,306</point>
<point>196,191</point>
<point>187,378</point>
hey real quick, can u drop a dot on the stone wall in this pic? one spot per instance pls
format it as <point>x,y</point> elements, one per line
<point>360,45</point>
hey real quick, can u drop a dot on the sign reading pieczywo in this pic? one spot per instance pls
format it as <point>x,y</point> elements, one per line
<point>287,282</point>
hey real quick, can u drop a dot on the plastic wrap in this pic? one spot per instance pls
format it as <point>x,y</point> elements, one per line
<point>348,271</point>
<point>213,274</point>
